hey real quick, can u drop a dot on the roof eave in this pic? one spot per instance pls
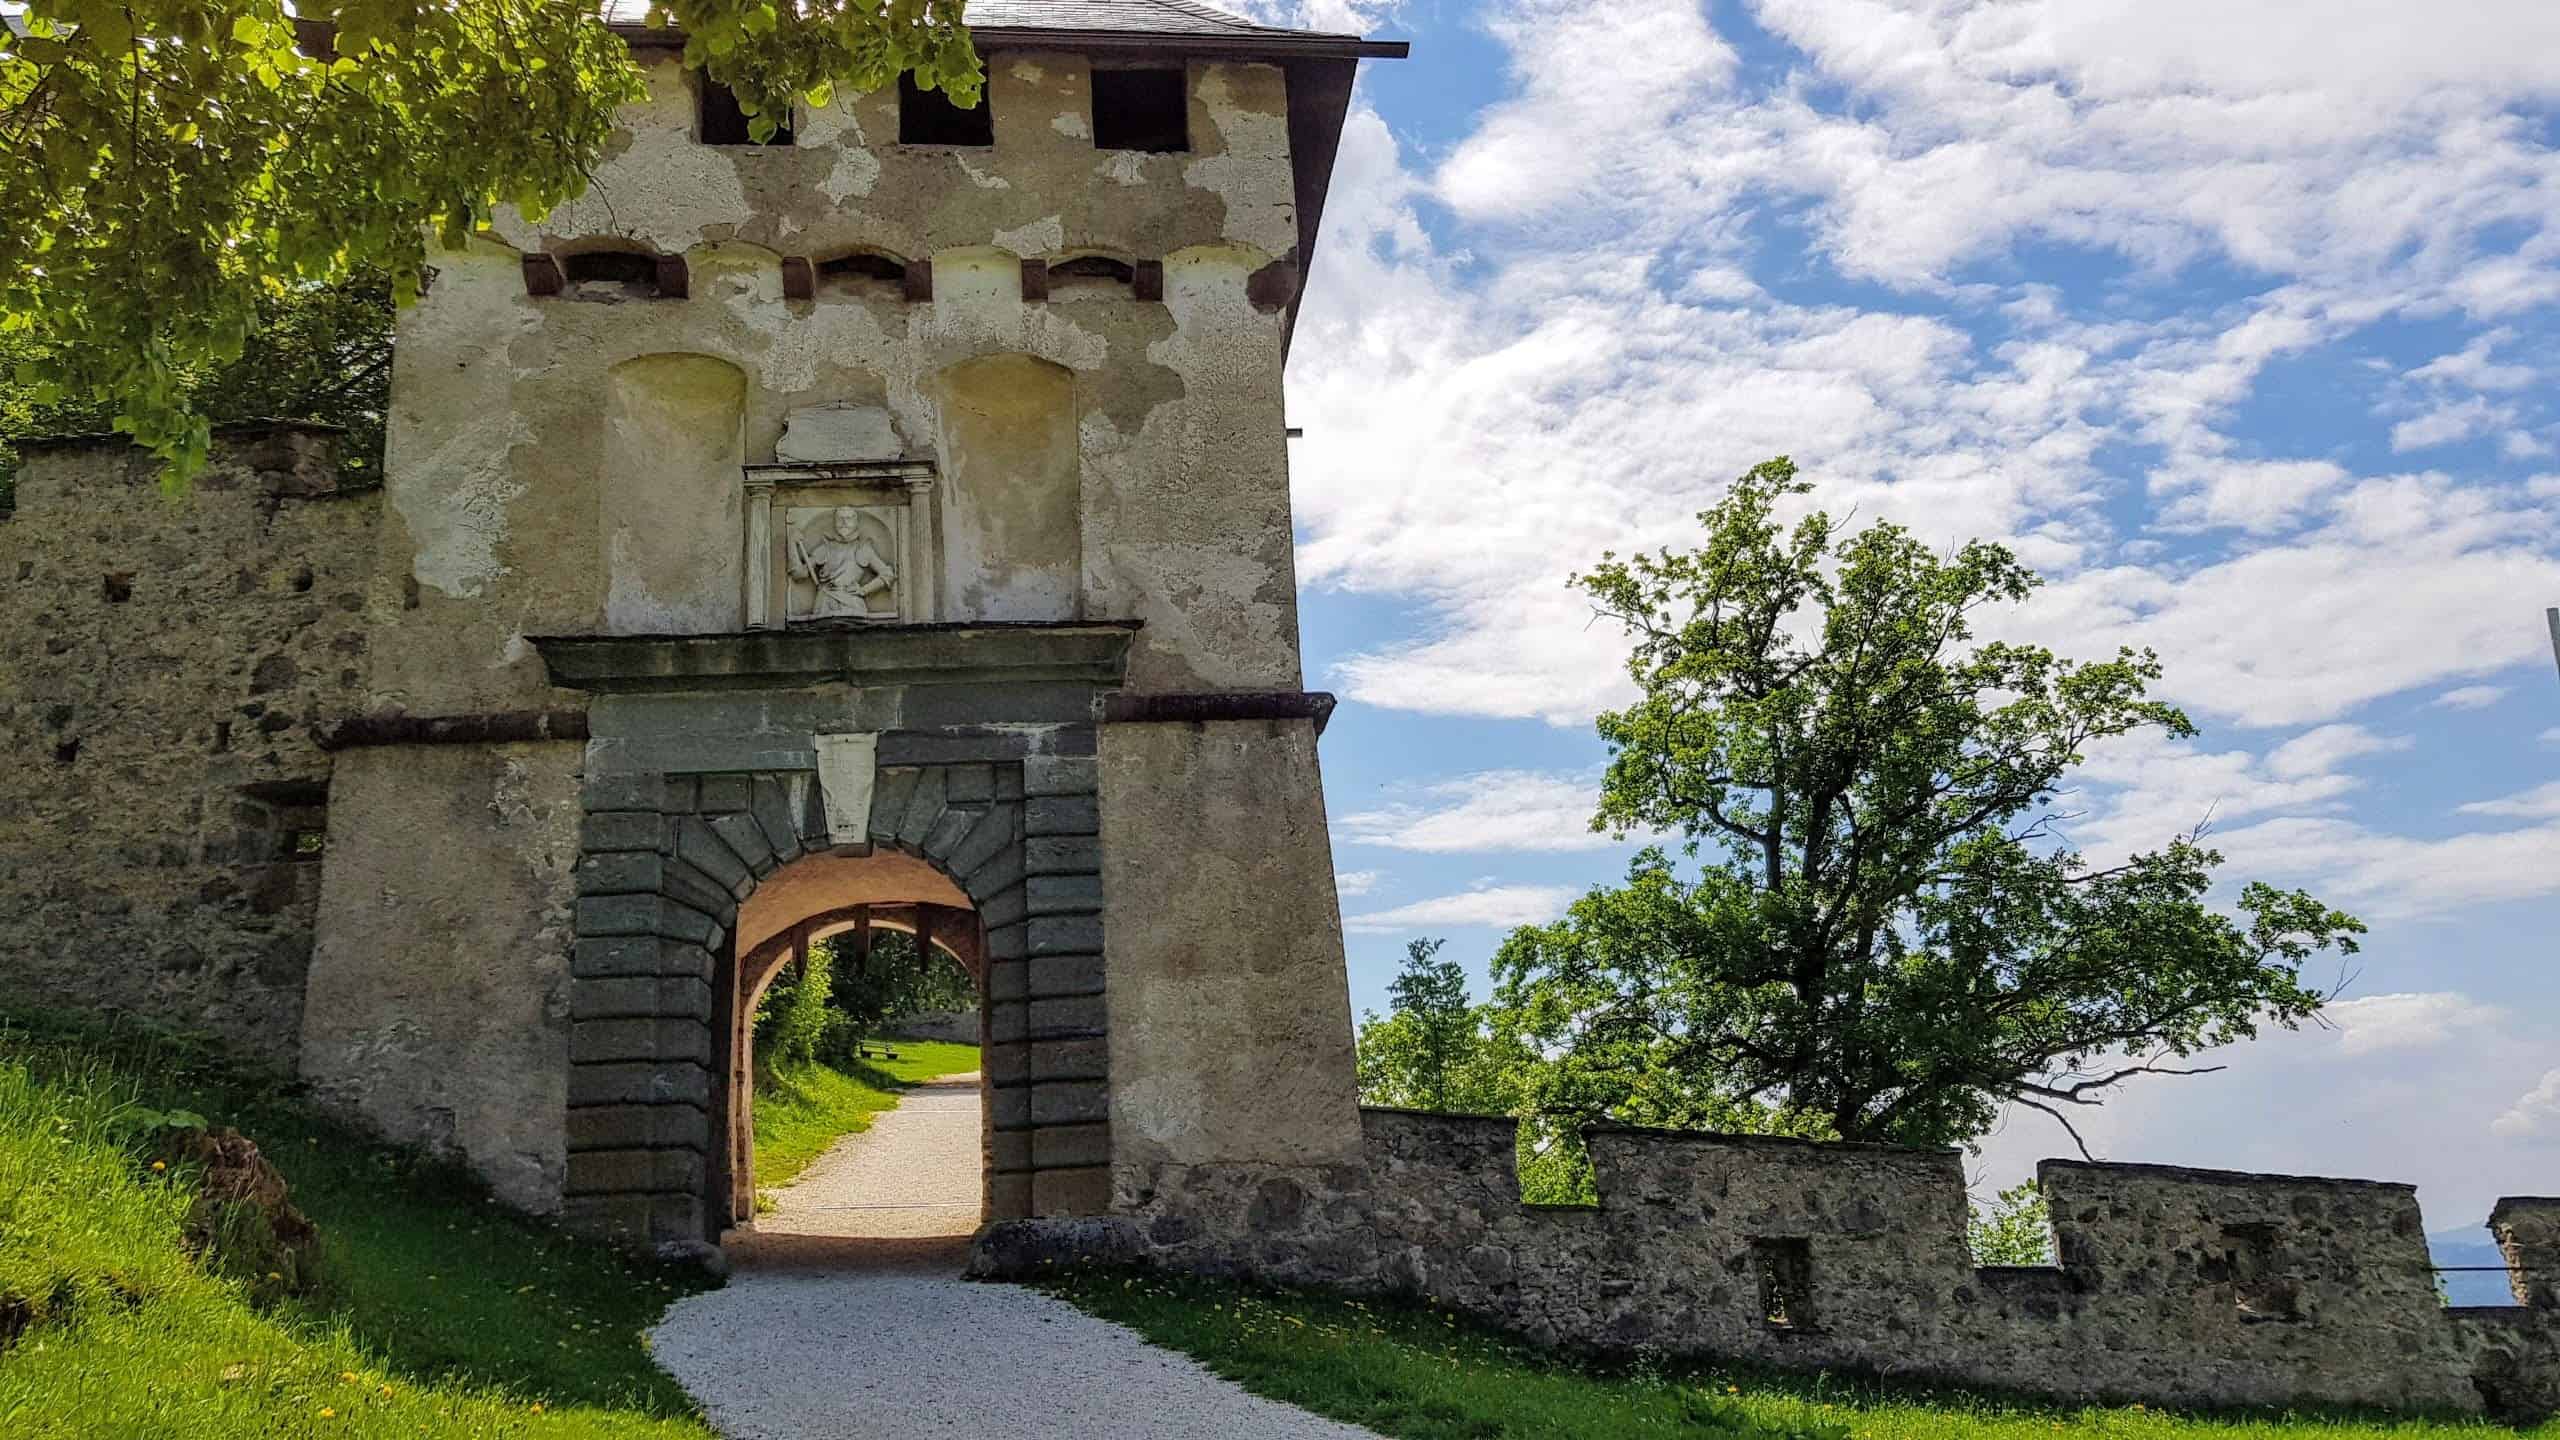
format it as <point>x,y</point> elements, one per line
<point>1280,45</point>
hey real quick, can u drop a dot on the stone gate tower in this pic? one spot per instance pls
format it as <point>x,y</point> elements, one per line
<point>885,525</point>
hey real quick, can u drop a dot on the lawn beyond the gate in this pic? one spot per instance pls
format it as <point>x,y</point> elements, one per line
<point>801,1112</point>
<point>1420,1374</point>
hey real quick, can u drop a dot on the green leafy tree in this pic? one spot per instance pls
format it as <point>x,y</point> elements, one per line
<point>898,980</point>
<point>172,163</point>
<point>2016,1228</point>
<point>319,352</point>
<point>1883,936</point>
<point>1411,1059</point>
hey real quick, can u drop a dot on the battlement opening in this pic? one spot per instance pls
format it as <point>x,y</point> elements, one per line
<point>1784,1266</point>
<point>863,275</point>
<point>2260,1289</point>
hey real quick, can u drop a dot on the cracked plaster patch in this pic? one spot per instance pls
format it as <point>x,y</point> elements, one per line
<point>1045,236</point>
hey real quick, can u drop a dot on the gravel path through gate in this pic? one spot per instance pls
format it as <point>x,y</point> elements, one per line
<point>846,1319</point>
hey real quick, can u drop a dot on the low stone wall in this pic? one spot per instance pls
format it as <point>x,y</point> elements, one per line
<point>2176,1286</point>
<point>167,667</point>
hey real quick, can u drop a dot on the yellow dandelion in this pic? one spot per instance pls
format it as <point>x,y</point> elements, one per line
<point>349,1376</point>
<point>326,1413</point>
<point>535,1407</point>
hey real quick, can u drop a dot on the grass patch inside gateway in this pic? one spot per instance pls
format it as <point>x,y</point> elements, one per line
<point>803,1110</point>
<point>1419,1374</point>
<point>437,1312</point>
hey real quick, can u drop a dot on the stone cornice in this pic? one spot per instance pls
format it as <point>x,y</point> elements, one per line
<point>854,654</point>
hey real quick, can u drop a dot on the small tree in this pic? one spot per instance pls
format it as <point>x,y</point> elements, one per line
<point>1885,937</point>
<point>2015,1229</point>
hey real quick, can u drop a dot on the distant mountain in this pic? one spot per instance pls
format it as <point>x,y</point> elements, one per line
<point>2469,1247</point>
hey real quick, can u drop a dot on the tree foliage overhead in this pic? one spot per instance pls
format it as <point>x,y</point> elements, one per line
<point>173,163</point>
<point>1885,935</point>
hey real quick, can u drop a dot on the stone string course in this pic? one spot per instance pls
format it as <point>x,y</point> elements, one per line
<point>2176,1286</point>
<point>667,861</point>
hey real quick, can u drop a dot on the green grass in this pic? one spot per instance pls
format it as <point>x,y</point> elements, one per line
<point>1420,1374</point>
<point>801,1112</point>
<point>439,1313</point>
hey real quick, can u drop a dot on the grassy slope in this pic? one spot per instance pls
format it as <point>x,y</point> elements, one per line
<point>802,1112</point>
<point>442,1314</point>
<point>1423,1375</point>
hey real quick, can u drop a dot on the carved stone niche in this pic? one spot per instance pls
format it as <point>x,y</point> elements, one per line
<point>844,543</point>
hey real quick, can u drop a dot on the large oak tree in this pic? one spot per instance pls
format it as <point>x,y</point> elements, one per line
<point>1881,933</point>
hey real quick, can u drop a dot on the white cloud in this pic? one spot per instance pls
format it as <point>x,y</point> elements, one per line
<point>2535,1115</point>
<point>2407,1021</point>
<point>2384,876</point>
<point>1501,906</point>
<point>2471,366</point>
<point>1352,884</point>
<point>2550,736</point>
<point>2540,803</point>
<point>2447,423</point>
<point>2470,697</point>
<point>2319,751</point>
<point>1493,810</point>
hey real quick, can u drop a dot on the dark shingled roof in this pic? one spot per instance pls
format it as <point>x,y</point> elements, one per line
<point>1187,26</point>
<point>1135,17</point>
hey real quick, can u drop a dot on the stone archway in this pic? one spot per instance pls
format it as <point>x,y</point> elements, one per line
<point>667,862</point>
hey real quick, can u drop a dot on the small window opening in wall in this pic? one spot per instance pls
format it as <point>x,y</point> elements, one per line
<point>1786,1282</point>
<point>284,821</point>
<point>2259,1287</point>
<point>876,275</point>
<point>1091,272</point>
<point>116,588</point>
<point>1141,110</point>
<point>721,122</point>
<point>67,753</point>
<point>927,117</point>
<point>611,275</point>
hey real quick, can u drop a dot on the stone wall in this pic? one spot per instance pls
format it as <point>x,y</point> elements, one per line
<point>2176,1286</point>
<point>167,666</point>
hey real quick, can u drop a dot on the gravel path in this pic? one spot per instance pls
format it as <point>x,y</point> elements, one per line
<point>846,1319</point>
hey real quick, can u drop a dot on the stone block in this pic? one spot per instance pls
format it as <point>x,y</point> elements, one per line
<point>1002,871</point>
<point>684,794</point>
<point>969,784</point>
<point>638,1127</point>
<point>948,831</point>
<point>1006,1064</point>
<point>621,872</point>
<point>683,882</point>
<point>1070,1102</point>
<point>743,835</point>
<point>624,997</point>
<point>1065,934</point>
<point>605,792</point>
<point>1010,943</point>
<point>625,830</point>
<point>1087,1059</point>
<point>724,793</point>
<point>1065,1147</point>
<point>1054,976</point>
<point>1071,1192</point>
<point>1004,908</point>
<point>1009,1107</point>
<point>990,834</point>
<point>1010,1150</point>
<point>1008,1197</point>
<point>594,1041</point>
<point>640,1083</point>
<point>889,796</point>
<point>1061,775</point>
<point>1062,815</point>
<point>772,808</point>
<point>625,1219</point>
<point>1009,781</point>
<point>924,807</point>
<point>1008,1020</point>
<point>638,955</point>
<point>1062,855</point>
<point>702,847</point>
<point>1008,981</point>
<point>1067,1017</point>
<point>612,1172</point>
<point>612,915</point>
<point>1064,894</point>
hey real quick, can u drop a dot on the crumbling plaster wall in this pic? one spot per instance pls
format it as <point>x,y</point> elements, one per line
<point>1230,1019</point>
<point>439,1002</point>
<point>165,664</point>
<point>499,417</point>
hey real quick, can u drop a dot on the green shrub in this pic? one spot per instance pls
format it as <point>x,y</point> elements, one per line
<point>793,1021</point>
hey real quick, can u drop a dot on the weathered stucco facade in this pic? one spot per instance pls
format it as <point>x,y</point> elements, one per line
<point>784,542</point>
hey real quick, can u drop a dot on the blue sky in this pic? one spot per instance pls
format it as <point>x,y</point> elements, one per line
<point>2238,327</point>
